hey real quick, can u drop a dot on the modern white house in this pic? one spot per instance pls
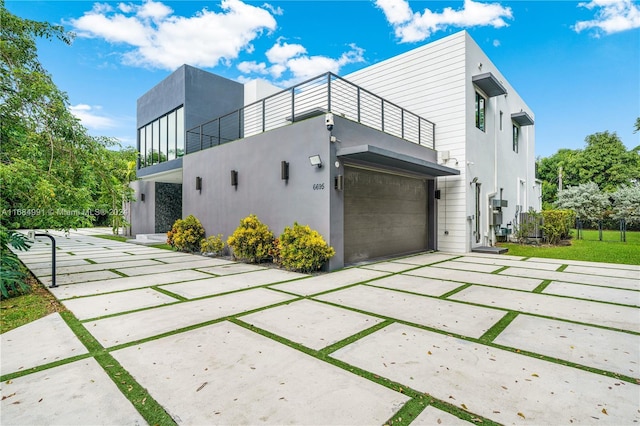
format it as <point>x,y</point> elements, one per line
<point>483,129</point>
<point>428,150</point>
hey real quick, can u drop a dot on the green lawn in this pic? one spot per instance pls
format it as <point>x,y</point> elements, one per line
<point>609,250</point>
<point>112,237</point>
<point>23,309</point>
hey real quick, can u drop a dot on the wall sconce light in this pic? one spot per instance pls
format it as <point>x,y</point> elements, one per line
<point>142,197</point>
<point>437,194</point>
<point>315,160</point>
<point>339,182</point>
<point>284,170</point>
<point>198,183</point>
<point>475,180</point>
<point>234,178</point>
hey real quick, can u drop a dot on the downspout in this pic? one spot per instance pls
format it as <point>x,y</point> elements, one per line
<point>490,196</point>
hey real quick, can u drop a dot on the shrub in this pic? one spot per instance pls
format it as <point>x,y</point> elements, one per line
<point>303,249</point>
<point>212,244</point>
<point>527,226</point>
<point>12,275</point>
<point>251,241</point>
<point>186,234</point>
<point>274,251</point>
<point>557,225</point>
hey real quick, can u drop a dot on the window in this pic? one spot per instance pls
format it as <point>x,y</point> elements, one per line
<point>180,132</point>
<point>516,136</point>
<point>143,147</point>
<point>164,152</point>
<point>162,139</point>
<point>480,111</point>
<point>172,136</point>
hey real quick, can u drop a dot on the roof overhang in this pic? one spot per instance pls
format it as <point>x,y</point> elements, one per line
<point>166,172</point>
<point>393,160</point>
<point>522,118</point>
<point>489,84</point>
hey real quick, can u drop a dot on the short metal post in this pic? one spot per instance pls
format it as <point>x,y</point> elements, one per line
<point>53,258</point>
<point>600,229</point>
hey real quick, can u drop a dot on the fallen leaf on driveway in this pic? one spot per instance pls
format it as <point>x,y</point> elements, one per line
<point>522,415</point>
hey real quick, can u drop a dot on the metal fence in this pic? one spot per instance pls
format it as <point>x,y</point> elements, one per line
<point>325,93</point>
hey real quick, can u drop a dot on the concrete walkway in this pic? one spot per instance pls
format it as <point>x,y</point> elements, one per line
<point>430,339</point>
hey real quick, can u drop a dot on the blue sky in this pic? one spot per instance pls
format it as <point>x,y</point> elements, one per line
<point>576,64</point>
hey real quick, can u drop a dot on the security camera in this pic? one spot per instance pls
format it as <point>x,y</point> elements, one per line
<point>328,120</point>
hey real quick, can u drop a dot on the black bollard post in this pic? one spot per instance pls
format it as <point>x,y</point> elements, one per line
<point>53,258</point>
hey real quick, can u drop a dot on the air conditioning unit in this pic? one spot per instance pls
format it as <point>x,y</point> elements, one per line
<point>499,203</point>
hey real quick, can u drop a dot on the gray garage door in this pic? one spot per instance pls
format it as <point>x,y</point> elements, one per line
<point>384,214</point>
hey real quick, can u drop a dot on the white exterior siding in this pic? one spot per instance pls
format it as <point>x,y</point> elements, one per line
<point>430,81</point>
<point>435,82</point>
<point>496,164</point>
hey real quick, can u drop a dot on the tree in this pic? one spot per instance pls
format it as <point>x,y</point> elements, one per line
<point>53,173</point>
<point>548,169</point>
<point>626,203</point>
<point>606,161</point>
<point>586,200</point>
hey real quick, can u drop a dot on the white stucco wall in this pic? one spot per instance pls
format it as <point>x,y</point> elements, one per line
<point>435,82</point>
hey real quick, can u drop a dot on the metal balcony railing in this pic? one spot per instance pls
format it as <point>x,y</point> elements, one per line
<point>325,93</point>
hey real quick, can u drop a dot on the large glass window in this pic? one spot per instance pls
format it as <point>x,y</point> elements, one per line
<point>164,149</point>
<point>516,137</point>
<point>149,154</point>
<point>171,137</point>
<point>480,111</point>
<point>180,132</point>
<point>162,139</point>
<point>143,148</point>
<point>156,141</point>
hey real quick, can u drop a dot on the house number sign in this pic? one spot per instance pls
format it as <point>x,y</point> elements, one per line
<point>318,186</point>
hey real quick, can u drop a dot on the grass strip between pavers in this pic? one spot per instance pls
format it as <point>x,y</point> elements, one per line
<point>490,335</point>
<point>168,293</point>
<point>455,291</point>
<point>502,268</point>
<point>115,271</point>
<point>38,368</point>
<point>542,286</point>
<point>139,397</point>
<point>561,268</point>
<point>502,347</point>
<point>409,411</point>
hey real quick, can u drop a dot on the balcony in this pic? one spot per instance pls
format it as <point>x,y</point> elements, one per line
<point>325,93</point>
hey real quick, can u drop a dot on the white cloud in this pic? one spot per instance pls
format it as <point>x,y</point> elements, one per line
<point>396,11</point>
<point>275,10</point>
<point>281,53</point>
<point>294,58</point>
<point>160,39</point>
<point>249,67</point>
<point>612,16</point>
<point>412,26</point>
<point>496,43</point>
<point>90,118</point>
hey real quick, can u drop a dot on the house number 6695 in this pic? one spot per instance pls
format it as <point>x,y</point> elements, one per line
<point>318,186</point>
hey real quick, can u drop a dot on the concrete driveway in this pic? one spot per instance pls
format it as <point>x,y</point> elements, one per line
<point>164,337</point>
